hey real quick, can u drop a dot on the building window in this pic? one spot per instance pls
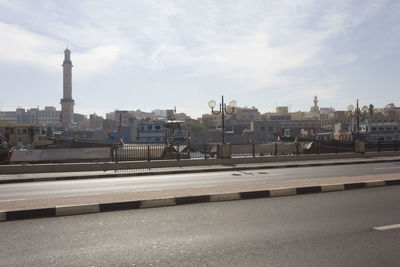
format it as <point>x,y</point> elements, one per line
<point>149,127</point>
<point>158,127</point>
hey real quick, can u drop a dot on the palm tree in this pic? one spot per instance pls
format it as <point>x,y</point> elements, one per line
<point>371,110</point>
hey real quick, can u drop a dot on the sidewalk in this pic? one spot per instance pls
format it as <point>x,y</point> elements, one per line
<point>85,204</point>
<point>37,177</point>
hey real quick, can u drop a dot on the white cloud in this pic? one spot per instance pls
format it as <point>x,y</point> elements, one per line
<point>23,46</point>
<point>19,45</point>
<point>242,45</point>
<point>95,60</point>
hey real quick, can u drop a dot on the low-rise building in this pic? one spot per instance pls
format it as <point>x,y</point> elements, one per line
<point>162,132</point>
<point>48,116</point>
<point>268,130</point>
<point>381,131</point>
<point>23,134</point>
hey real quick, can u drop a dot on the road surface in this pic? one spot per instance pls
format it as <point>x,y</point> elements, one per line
<point>330,229</point>
<point>176,181</point>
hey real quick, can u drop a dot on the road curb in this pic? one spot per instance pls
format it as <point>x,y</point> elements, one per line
<point>210,169</point>
<point>195,199</point>
<point>77,209</point>
<point>332,187</point>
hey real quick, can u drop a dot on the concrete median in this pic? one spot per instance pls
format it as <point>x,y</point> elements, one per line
<point>40,208</point>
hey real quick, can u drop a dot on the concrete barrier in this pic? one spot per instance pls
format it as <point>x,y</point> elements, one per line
<point>106,166</point>
<point>61,154</point>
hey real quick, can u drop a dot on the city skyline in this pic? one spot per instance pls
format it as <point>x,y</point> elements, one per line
<point>156,55</point>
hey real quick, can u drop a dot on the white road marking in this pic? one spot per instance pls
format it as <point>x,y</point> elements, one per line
<point>387,227</point>
<point>6,200</point>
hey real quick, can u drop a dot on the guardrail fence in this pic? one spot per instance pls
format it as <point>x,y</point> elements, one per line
<point>132,152</point>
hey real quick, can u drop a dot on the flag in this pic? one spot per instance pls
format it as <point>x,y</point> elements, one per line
<point>189,133</point>
<point>297,137</point>
<point>278,135</point>
<point>60,116</point>
<point>313,129</point>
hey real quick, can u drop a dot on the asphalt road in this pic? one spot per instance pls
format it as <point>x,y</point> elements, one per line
<point>330,229</point>
<point>174,181</point>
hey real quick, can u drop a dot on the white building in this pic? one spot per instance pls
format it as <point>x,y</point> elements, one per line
<point>48,116</point>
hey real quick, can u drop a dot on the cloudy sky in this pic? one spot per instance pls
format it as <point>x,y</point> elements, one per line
<point>160,54</point>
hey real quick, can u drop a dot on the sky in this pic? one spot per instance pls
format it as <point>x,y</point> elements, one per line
<point>150,54</point>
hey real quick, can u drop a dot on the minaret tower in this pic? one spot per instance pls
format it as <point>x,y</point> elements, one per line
<point>316,102</point>
<point>67,103</point>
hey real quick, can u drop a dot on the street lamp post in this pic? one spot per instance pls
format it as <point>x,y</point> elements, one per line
<point>223,109</point>
<point>357,113</point>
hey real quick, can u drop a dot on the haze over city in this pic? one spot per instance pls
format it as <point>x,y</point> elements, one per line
<point>160,54</point>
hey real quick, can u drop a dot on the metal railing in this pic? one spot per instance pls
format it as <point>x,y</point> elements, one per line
<point>136,152</point>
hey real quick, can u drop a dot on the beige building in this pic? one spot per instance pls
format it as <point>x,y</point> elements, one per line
<point>19,133</point>
<point>282,110</point>
<point>245,114</point>
<point>299,115</point>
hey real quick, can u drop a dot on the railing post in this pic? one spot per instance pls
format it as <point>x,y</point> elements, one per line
<point>395,146</point>
<point>317,146</point>
<point>336,147</point>
<point>116,154</point>
<point>297,148</point>
<point>178,153</point>
<point>379,146</point>
<point>112,153</point>
<point>276,149</point>
<point>205,151</point>
<point>188,150</point>
<point>254,150</point>
<point>148,153</point>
